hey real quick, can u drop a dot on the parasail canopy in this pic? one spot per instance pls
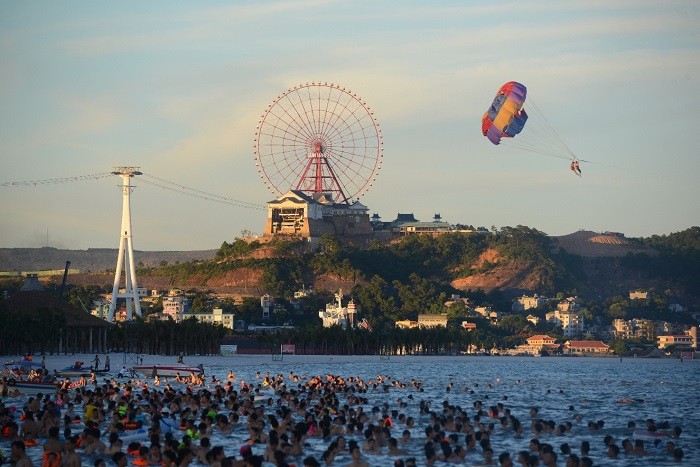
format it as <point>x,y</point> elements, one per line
<point>506,116</point>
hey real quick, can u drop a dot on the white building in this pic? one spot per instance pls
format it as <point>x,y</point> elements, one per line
<point>571,322</point>
<point>175,307</point>
<point>432,320</point>
<point>100,308</point>
<point>216,317</point>
<point>337,314</point>
<point>568,304</point>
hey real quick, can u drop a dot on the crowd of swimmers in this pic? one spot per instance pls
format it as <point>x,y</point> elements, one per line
<point>286,419</point>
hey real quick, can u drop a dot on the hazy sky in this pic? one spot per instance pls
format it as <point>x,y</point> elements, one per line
<point>177,88</point>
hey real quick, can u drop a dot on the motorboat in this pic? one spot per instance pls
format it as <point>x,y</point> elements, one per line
<point>168,371</point>
<point>32,388</point>
<point>28,377</point>
<point>77,370</point>
<point>24,369</point>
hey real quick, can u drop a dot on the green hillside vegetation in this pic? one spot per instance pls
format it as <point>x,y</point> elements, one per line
<point>413,275</point>
<point>416,274</point>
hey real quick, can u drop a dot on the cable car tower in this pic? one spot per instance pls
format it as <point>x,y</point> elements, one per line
<point>125,259</point>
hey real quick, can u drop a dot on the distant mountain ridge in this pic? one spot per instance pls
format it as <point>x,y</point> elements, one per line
<point>583,243</point>
<point>514,260</point>
<point>90,260</point>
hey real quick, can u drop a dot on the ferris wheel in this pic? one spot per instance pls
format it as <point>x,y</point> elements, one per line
<point>318,138</point>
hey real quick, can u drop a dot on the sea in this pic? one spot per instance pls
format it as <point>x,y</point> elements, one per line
<point>579,390</point>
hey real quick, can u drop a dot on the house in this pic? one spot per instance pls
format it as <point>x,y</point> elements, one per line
<point>537,345</point>
<point>533,319</point>
<point>432,320</point>
<point>406,324</point>
<point>468,326</point>
<point>639,295</point>
<point>540,340</point>
<point>456,298</point>
<point>571,322</point>
<point>634,328</point>
<point>406,224</point>
<point>215,316</point>
<point>688,340</point>
<point>526,302</point>
<point>586,347</point>
<point>174,306</point>
<point>568,304</point>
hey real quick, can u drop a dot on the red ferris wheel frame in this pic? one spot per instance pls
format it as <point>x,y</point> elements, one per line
<point>319,138</point>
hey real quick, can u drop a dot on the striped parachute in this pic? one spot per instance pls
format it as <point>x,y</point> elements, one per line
<point>506,116</point>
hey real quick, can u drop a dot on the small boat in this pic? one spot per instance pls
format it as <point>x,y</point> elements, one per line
<point>77,370</point>
<point>71,372</point>
<point>21,367</point>
<point>168,371</point>
<point>32,387</point>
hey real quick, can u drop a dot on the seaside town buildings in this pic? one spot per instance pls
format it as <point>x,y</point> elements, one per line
<point>568,316</point>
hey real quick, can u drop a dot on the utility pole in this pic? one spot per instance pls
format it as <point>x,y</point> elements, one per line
<point>125,258</point>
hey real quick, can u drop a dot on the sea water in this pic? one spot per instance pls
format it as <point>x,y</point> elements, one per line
<point>562,389</point>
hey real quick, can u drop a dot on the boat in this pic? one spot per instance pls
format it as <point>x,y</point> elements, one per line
<point>168,371</point>
<point>77,370</point>
<point>71,372</point>
<point>21,367</point>
<point>32,388</point>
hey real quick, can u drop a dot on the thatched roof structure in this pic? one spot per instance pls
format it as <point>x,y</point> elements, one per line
<point>31,301</point>
<point>31,298</point>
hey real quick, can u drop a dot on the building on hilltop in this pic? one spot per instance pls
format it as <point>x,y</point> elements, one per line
<point>407,224</point>
<point>639,295</point>
<point>296,214</point>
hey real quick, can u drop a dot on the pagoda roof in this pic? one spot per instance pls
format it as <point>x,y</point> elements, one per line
<point>405,218</point>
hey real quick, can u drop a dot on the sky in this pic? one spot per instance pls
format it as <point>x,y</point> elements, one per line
<point>178,87</point>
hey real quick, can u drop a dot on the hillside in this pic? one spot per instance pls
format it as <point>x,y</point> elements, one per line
<point>595,245</point>
<point>512,261</point>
